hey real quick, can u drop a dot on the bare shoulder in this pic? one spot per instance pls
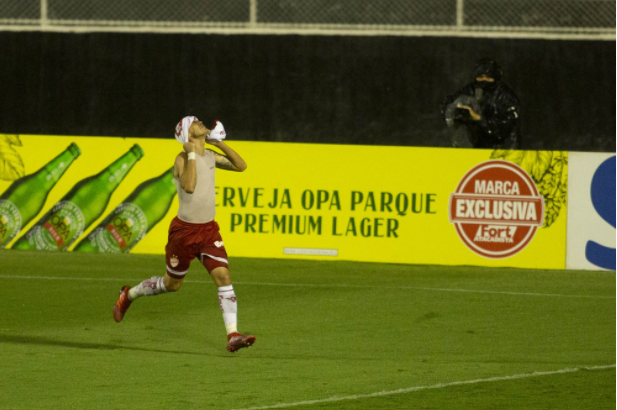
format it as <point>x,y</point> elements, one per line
<point>179,164</point>
<point>221,161</point>
<point>218,158</point>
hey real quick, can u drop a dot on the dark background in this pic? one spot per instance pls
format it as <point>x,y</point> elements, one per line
<point>325,89</point>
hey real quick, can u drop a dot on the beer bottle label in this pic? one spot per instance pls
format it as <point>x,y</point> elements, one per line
<point>126,226</point>
<point>10,221</point>
<point>64,224</point>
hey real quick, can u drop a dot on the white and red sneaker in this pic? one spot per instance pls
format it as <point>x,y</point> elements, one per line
<point>236,341</point>
<point>122,304</point>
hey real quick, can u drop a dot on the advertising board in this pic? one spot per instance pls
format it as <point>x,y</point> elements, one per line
<point>314,201</point>
<point>591,214</point>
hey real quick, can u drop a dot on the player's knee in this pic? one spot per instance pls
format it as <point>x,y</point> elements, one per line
<point>221,276</point>
<point>174,286</point>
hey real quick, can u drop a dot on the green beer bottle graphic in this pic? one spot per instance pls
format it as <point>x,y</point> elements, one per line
<point>133,218</point>
<point>25,198</point>
<point>82,205</point>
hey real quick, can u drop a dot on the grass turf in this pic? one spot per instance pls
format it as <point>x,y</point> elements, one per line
<point>324,329</point>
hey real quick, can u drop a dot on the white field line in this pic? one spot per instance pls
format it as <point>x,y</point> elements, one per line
<point>434,386</point>
<point>312,285</point>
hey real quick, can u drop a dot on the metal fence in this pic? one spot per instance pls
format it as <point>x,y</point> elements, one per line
<point>589,18</point>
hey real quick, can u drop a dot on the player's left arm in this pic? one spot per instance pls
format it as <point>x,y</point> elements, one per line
<point>231,161</point>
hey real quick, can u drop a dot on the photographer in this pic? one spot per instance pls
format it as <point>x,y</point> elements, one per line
<point>484,113</point>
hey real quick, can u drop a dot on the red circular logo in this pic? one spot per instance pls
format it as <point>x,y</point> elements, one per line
<point>496,209</point>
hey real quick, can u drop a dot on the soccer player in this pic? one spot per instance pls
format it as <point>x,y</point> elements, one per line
<point>194,233</point>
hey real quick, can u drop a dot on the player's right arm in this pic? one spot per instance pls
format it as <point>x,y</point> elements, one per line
<point>185,169</point>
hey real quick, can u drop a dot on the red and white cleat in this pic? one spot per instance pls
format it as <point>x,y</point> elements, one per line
<point>122,305</point>
<point>236,341</point>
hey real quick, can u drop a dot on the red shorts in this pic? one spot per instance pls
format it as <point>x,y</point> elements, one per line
<point>187,241</point>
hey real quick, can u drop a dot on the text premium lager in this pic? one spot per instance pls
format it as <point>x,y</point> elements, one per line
<point>133,218</point>
<point>24,199</point>
<point>82,205</point>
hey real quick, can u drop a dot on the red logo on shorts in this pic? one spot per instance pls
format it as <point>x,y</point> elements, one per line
<point>496,209</point>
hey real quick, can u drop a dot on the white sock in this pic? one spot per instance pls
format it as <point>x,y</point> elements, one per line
<point>149,287</point>
<point>229,307</point>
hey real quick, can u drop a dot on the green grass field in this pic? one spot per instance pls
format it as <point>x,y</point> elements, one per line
<point>330,335</point>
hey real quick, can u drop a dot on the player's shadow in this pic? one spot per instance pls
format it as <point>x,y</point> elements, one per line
<point>43,341</point>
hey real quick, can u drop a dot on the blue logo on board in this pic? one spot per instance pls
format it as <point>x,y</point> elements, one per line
<point>603,199</point>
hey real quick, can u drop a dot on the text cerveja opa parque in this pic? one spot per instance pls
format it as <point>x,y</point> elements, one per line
<point>268,206</point>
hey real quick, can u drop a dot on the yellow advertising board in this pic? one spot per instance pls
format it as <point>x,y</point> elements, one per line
<point>334,202</point>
